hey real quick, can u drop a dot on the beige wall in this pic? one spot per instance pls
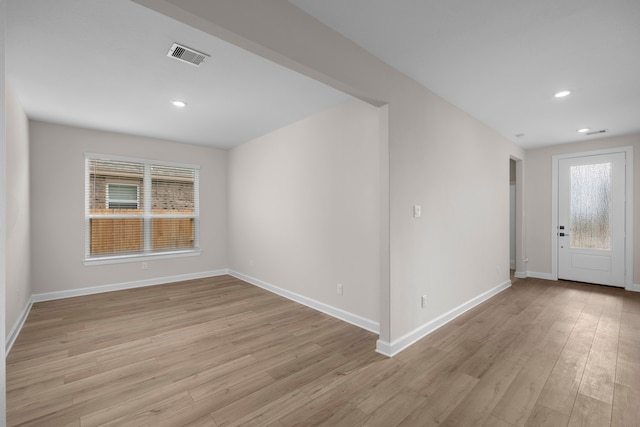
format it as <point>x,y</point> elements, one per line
<point>57,206</point>
<point>439,157</point>
<point>304,208</point>
<point>18,272</point>
<point>538,199</point>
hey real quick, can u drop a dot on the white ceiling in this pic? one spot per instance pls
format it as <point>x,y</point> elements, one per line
<point>103,64</point>
<point>502,60</point>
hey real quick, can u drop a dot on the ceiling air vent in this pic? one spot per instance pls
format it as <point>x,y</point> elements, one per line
<point>595,132</point>
<point>186,54</point>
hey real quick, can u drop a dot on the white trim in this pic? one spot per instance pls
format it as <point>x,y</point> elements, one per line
<point>17,327</point>
<point>538,275</point>
<point>354,319</point>
<point>147,203</point>
<point>141,216</point>
<point>88,155</point>
<point>118,259</point>
<point>395,347</point>
<point>126,285</point>
<point>547,276</point>
<point>554,217</point>
<point>629,285</point>
<point>628,151</point>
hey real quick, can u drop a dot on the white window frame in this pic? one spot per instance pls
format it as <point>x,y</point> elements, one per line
<point>109,200</point>
<point>147,216</point>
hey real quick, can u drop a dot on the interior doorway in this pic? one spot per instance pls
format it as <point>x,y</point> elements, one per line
<point>517,257</point>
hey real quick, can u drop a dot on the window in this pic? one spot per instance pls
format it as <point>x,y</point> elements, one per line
<point>122,196</point>
<point>139,208</point>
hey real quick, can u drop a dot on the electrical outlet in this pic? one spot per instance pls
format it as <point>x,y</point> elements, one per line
<point>340,289</point>
<point>145,266</point>
<point>423,301</point>
<point>417,211</point>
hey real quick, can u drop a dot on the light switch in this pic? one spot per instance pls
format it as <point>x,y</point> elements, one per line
<point>417,211</point>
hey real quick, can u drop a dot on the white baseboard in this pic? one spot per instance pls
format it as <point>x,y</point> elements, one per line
<point>17,327</point>
<point>395,347</point>
<point>534,275</point>
<point>537,275</point>
<point>354,319</point>
<point>546,276</point>
<point>48,296</point>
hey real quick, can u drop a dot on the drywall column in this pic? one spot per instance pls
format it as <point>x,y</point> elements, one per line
<point>385,274</point>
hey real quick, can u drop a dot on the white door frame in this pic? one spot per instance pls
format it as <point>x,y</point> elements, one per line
<point>628,262</point>
<point>520,236</point>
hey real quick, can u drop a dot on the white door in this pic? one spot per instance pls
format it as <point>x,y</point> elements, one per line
<point>591,219</point>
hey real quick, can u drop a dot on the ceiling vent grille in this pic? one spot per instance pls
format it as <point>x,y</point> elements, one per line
<point>595,132</point>
<point>186,54</point>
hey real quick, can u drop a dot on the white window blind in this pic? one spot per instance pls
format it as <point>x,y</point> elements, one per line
<point>138,207</point>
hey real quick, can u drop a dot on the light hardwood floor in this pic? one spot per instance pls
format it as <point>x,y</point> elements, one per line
<point>218,352</point>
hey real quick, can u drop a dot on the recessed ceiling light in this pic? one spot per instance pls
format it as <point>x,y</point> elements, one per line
<point>584,130</point>
<point>562,93</point>
<point>179,104</point>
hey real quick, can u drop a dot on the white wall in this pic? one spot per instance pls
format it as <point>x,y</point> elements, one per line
<point>18,287</point>
<point>304,208</point>
<point>3,164</point>
<point>538,200</point>
<point>458,170</point>
<point>57,206</point>
<point>439,157</point>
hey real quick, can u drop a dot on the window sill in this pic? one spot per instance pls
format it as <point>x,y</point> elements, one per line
<point>140,257</point>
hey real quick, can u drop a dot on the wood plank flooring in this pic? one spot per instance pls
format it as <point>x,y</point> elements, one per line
<point>220,352</point>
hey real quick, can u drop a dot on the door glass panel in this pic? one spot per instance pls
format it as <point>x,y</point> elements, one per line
<point>590,205</point>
